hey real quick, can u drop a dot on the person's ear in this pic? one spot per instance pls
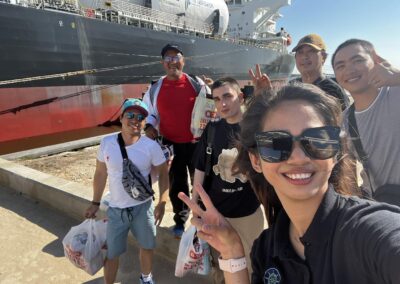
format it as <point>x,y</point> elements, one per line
<point>255,162</point>
<point>241,97</point>
<point>324,56</point>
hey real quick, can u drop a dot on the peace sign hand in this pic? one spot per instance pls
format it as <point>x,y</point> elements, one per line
<point>213,227</point>
<point>261,81</point>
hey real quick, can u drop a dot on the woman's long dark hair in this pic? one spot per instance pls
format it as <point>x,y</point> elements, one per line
<point>343,177</point>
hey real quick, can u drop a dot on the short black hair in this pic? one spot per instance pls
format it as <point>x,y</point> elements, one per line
<point>226,81</point>
<point>368,47</point>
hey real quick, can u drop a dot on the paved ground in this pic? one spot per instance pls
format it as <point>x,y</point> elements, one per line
<point>31,249</point>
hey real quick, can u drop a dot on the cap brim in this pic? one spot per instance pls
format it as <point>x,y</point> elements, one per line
<point>172,48</point>
<point>310,44</point>
<point>139,108</point>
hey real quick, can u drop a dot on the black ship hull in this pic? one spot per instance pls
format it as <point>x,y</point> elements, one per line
<point>38,42</point>
<point>48,55</point>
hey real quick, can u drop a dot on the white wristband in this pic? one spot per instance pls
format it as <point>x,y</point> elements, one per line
<point>232,265</point>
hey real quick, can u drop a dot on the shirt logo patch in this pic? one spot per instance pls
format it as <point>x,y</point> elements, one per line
<point>224,166</point>
<point>272,276</point>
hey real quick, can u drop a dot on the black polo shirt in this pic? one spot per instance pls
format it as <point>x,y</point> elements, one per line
<point>349,241</point>
<point>332,88</point>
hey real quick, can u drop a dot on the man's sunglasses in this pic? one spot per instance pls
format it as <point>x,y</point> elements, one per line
<point>318,143</point>
<point>132,115</point>
<point>172,58</point>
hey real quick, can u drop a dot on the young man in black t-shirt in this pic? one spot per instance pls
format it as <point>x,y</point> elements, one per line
<point>231,194</point>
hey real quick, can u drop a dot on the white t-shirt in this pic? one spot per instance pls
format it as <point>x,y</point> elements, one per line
<point>145,153</point>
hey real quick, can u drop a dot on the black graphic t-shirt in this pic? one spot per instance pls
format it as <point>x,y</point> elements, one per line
<point>231,194</point>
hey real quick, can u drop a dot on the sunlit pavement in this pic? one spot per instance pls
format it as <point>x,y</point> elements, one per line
<point>31,250</point>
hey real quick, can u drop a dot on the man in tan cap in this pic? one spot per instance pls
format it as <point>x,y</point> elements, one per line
<point>310,54</point>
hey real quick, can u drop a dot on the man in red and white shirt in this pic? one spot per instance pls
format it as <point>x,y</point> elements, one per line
<point>171,100</point>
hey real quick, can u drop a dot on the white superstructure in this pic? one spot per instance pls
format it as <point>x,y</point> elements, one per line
<point>254,19</point>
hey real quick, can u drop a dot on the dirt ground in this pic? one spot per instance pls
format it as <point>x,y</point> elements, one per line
<point>78,166</point>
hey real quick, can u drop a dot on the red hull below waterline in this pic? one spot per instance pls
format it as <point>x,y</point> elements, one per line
<point>38,111</point>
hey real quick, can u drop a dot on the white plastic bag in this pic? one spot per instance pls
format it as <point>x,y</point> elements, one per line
<point>85,245</point>
<point>203,112</point>
<point>193,255</point>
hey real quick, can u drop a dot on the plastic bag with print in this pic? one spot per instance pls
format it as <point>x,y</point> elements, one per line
<point>193,254</point>
<point>85,245</point>
<point>203,112</point>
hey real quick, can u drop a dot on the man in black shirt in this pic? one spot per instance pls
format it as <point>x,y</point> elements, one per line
<point>231,194</point>
<point>310,57</point>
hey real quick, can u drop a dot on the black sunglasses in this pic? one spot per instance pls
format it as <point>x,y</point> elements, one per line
<point>318,143</point>
<point>132,115</point>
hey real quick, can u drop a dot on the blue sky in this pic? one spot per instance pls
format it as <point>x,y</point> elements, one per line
<point>377,21</point>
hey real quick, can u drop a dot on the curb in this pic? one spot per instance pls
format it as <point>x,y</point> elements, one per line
<point>70,198</point>
<point>54,149</point>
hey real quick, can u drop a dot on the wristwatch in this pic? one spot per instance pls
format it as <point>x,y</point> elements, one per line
<point>232,265</point>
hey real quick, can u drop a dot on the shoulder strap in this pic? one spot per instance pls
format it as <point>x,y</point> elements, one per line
<point>353,130</point>
<point>210,140</point>
<point>356,140</point>
<point>122,146</point>
<point>125,157</point>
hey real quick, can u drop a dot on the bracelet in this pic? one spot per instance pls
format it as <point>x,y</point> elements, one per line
<point>232,265</point>
<point>95,203</point>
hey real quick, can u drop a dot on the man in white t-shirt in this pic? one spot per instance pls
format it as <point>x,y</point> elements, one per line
<point>375,87</point>
<point>125,212</point>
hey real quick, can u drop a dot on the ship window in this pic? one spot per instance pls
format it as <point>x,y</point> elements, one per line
<point>243,12</point>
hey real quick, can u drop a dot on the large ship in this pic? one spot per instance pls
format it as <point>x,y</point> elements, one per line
<point>68,64</point>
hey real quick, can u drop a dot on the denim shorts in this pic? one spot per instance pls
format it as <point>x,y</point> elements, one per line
<point>138,219</point>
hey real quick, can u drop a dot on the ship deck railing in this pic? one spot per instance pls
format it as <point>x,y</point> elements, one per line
<point>274,43</point>
<point>123,12</point>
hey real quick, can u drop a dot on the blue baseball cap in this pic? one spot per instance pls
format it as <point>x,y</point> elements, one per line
<point>135,104</point>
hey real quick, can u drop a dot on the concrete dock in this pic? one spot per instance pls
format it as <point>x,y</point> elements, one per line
<point>38,209</point>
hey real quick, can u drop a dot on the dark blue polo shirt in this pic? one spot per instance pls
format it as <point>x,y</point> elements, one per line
<point>349,241</point>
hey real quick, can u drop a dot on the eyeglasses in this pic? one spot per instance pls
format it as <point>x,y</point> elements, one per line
<point>131,115</point>
<point>318,143</point>
<point>175,58</point>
